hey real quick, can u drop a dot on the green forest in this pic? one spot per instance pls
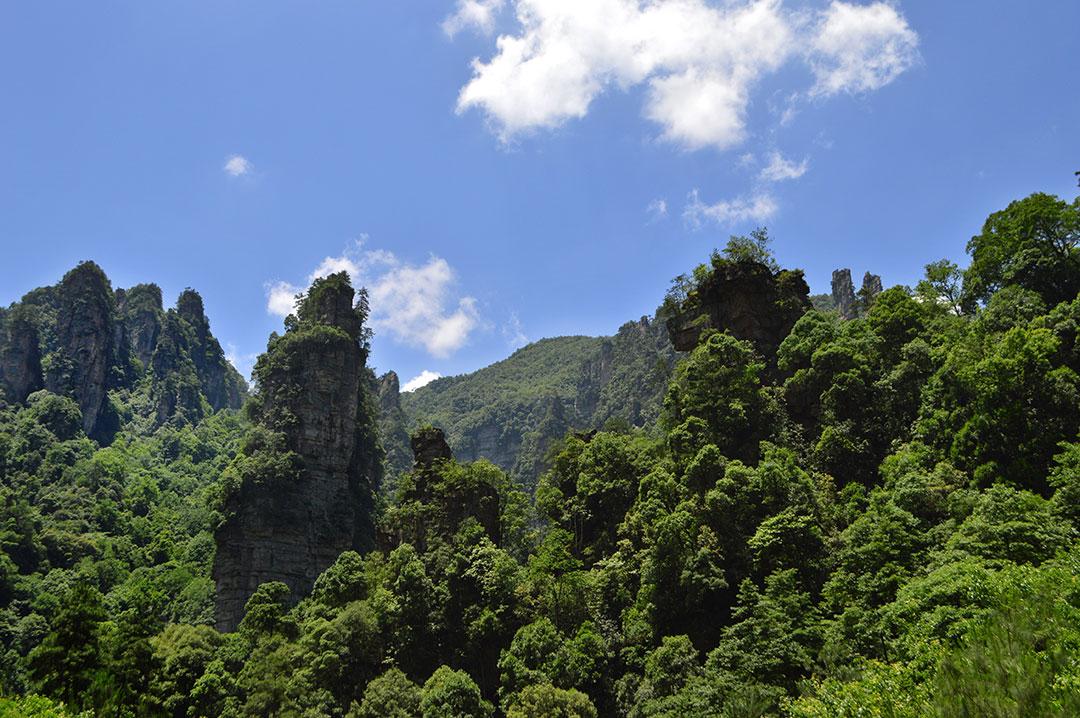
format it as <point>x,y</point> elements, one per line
<point>812,516</point>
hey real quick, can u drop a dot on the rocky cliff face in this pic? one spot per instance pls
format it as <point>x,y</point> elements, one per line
<point>220,382</point>
<point>393,429</point>
<point>141,313</point>
<point>81,339</point>
<point>20,357</point>
<point>81,365</point>
<point>313,405</point>
<point>843,293</point>
<point>745,298</point>
<point>847,303</point>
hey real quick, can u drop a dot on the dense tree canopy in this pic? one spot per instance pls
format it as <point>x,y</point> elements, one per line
<point>880,520</point>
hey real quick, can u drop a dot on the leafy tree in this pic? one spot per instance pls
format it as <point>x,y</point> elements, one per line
<point>721,384</point>
<point>68,661</point>
<point>390,695</point>
<point>546,701</point>
<point>1032,243</point>
<point>451,694</point>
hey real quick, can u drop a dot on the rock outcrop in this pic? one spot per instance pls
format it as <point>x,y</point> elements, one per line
<point>843,293</point>
<point>871,287</point>
<point>303,493</point>
<point>745,298</point>
<point>80,367</point>
<point>221,384</point>
<point>393,429</point>
<point>440,495</point>
<point>20,357</point>
<point>848,303</point>
<point>141,313</point>
<point>82,340</point>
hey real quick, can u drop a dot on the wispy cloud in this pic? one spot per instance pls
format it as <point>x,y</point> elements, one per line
<point>657,210</point>
<point>780,169</point>
<point>514,333</point>
<point>754,208</point>
<point>422,379</point>
<point>237,166</point>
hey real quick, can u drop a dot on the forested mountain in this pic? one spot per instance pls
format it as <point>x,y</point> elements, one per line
<point>512,412</point>
<point>816,514</point>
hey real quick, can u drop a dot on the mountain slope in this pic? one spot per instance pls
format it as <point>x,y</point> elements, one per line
<point>511,412</point>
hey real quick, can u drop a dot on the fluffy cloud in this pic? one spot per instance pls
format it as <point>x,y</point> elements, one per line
<point>281,298</point>
<point>413,303</point>
<point>698,61</point>
<point>858,48</point>
<point>237,166</point>
<point>422,379</point>
<point>479,14</point>
<point>755,208</point>
<point>780,169</point>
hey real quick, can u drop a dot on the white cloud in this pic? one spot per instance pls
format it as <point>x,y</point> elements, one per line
<point>237,166</point>
<point>414,304</point>
<point>422,379</point>
<point>780,169</point>
<point>859,48</point>
<point>281,298</point>
<point>478,14</point>
<point>514,333</point>
<point>699,60</point>
<point>756,208</point>
<point>657,210</point>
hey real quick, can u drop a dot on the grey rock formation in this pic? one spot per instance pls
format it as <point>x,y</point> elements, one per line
<point>289,526</point>
<point>747,299</point>
<point>871,287</point>
<point>140,310</point>
<point>85,350</point>
<point>843,293</point>
<point>20,357</point>
<point>220,382</point>
<point>393,430</point>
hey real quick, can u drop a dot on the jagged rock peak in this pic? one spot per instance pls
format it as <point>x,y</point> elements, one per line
<point>388,391</point>
<point>429,446</point>
<point>313,400</point>
<point>85,345</point>
<point>871,287</point>
<point>140,309</point>
<point>843,294</point>
<point>330,301</point>
<point>746,298</point>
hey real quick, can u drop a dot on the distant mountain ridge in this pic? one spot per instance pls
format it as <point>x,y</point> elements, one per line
<point>511,411</point>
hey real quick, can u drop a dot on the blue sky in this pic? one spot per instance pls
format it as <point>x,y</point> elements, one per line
<point>501,171</point>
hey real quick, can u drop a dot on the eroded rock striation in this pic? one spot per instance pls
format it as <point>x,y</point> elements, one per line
<point>85,351</point>
<point>301,492</point>
<point>843,294</point>
<point>20,356</point>
<point>746,298</point>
